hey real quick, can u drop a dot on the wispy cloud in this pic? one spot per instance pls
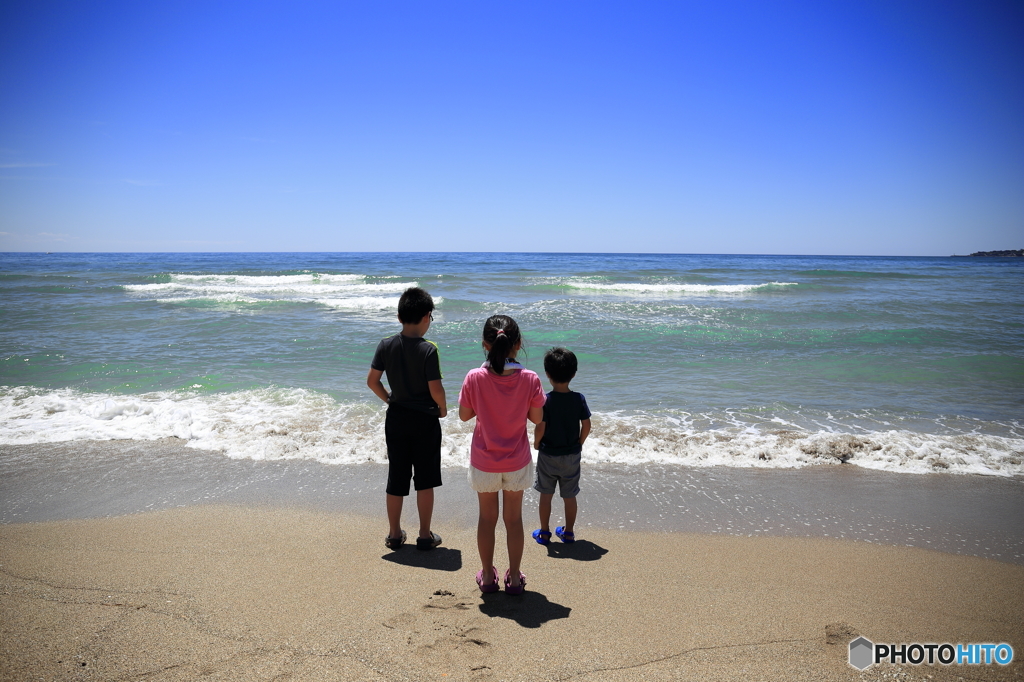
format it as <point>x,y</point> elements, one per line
<point>25,165</point>
<point>143,183</point>
<point>6,234</point>
<point>53,237</point>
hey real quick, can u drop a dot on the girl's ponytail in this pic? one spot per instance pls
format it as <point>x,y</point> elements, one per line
<point>502,333</point>
<point>500,348</point>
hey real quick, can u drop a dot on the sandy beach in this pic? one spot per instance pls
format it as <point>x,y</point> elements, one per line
<point>234,592</point>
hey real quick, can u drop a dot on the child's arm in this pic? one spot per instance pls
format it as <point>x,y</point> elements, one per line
<point>466,413</point>
<point>437,393</point>
<point>584,430</point>
<point>538,434</point>
<point>373,381</point>
<point>536,414</point>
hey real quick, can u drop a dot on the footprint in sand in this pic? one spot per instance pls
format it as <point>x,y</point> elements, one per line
<point>448,628</point>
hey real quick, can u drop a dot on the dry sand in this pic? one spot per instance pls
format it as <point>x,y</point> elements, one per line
<point>243,593</point>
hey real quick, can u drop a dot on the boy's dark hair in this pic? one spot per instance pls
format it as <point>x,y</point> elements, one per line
<point>560,365</point>
<point>502,332</point>
<point>413,305</point>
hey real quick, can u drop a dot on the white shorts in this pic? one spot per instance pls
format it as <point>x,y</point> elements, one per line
<point>490,482</point>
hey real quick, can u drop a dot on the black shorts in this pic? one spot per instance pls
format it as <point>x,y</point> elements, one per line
<point>414,444</point>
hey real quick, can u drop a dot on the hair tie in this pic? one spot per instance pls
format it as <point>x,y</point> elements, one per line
<point>501,332</point>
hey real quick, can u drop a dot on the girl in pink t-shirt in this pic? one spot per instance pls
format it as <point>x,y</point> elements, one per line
<point>502,395</point>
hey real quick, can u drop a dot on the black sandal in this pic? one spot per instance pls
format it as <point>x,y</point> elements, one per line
<point>394,543</point>
<point>428,543</point>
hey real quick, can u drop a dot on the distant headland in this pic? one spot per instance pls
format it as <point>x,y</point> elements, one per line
<point>1018,253</point>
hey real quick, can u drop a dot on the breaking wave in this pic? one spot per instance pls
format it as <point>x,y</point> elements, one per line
<point>671,288</point>
<point>286,423</point>
<point>345,292</point>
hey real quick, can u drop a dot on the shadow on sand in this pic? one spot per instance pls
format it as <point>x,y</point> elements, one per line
<point>437,559</point>
<point>581,550</point>
<point>529,609</point>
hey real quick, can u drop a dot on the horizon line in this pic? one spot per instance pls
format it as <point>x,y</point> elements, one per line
<point>553,253</point>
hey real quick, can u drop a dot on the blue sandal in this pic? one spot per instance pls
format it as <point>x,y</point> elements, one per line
<point>543,537</point>
<point>565,535</point>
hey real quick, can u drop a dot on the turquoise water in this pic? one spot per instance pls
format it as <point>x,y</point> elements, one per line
<point>906,364</point>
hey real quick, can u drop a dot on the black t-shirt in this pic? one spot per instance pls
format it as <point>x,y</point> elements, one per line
<point>409,364</point>
<point>563,413</point>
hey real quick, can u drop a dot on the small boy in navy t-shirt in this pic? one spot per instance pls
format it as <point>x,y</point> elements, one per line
<point>559,441</point>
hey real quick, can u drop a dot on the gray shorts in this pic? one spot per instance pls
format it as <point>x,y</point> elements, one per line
<point>561,469</point>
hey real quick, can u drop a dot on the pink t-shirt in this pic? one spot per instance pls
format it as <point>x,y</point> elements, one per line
<point>500,443</point>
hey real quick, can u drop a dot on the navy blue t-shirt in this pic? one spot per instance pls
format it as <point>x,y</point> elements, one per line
<point>563,413</point>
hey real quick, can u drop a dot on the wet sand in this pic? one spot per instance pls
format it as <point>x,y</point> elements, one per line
<point>971,515</point>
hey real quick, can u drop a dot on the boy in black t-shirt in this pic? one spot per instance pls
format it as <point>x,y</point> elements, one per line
<point>559,441</point>
<point>411,427</point>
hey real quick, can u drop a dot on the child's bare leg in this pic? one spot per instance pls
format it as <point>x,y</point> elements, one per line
<point>394,503</point>
<point>545,511</point>
<point>570,513</point>
<point>425,506</point>
<point>485,526</point>
<point>513,517</point>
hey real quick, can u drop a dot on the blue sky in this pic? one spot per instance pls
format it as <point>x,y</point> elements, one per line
<point>729,127</point>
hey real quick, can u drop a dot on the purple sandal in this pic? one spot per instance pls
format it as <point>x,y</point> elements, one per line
<point>514,589</point>
<point>493,587</point>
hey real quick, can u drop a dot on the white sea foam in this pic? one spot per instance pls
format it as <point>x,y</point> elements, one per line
<point>269,423</point>
<point>345,292</point>
<point>283,423</point>
<point>636,440</point>
<point>669,288</point>
<point>388,303</point>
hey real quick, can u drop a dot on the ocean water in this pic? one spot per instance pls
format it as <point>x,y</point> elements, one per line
<point>911,365</point>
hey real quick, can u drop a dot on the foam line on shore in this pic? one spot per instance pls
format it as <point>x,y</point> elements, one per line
<point>288,423</point>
